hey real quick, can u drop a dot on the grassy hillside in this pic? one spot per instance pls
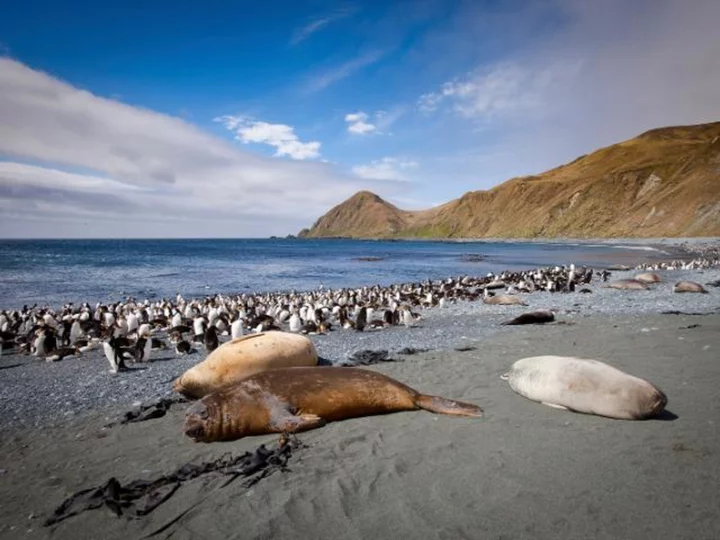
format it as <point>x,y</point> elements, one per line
<point>665,182</point>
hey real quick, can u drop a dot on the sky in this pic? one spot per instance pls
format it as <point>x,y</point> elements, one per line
<point>250,119</point>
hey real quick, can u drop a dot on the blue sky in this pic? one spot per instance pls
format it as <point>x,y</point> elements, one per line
<point>254,118</point>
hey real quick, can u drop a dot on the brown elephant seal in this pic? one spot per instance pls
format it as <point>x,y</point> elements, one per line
<point>627,285</point>
<point>289,400</point>
<point>689,286</point>
<point>648,277</point>
<point>245,356</point>
<point>540,316</point>
<point>585,386</point>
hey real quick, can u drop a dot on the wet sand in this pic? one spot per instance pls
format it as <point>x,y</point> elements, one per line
<point>523,471</point>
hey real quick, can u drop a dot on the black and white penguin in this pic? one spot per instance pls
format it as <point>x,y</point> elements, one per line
<point>361,319</point>
<point>211,339</point>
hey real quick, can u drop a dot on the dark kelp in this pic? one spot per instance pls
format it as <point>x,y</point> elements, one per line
<point>140,497</point>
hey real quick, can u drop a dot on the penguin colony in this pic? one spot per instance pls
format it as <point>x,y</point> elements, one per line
<point>126,330</point>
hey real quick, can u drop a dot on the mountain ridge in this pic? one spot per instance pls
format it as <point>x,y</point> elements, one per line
<point>664,182</point>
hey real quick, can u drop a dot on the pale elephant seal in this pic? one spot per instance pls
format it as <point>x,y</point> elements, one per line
<point>540,316</point>
<point>585,386</point>
<point>289,400</point>
<point>504,300</point>
<point>648,277</point>
<point>627,284</point>
<point>245,356</point>
<point>689,286</point>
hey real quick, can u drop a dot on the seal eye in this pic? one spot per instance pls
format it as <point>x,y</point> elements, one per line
<point>200,410</point>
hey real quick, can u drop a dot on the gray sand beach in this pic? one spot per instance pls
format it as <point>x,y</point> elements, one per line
<point>523,471</point>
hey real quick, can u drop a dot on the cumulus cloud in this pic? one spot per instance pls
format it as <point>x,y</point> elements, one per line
<point>158,173</point>
<point>280,136</point>
<point>387,168</point>
<point>358,124</point>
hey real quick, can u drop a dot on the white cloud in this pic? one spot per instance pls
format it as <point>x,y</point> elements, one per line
<point>157,173</point>
<point>387,168</point>
<point>280,136</point>
<point>501,89</point>
<point>338,73</point>
<point>304,32</point>
<point>357,123</point>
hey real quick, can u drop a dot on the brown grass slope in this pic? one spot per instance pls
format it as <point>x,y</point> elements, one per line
<point>665,182</point>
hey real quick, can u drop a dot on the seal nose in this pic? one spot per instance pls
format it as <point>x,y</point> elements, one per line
<point>197,415</point>
<point>196,431</point>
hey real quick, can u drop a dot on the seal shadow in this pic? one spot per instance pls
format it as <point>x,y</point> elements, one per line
<point>666,416</point>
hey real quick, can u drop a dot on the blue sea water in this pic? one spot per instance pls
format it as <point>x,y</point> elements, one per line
<point>56,271</point>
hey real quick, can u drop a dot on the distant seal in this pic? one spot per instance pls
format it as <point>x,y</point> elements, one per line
<point>585,386</point>
<point>689,286</point>
<point>540,316</point>
<point>627,284</point>
<point>289,400</point>
<point>648,277</point>
<point>503,300</point>
<point>245,356</point>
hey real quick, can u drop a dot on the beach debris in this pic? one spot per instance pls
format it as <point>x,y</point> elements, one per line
<point>465,348</point>
<point>366,357</point>
<point>409,351</point>
<point>677,312</point>
<point>141,413</point>
<point>140,497</point>
<point>541,316</point>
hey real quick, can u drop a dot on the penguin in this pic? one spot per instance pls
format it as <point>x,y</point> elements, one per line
<point>62,353</point>
<point>76,331</point>
<point>142,349</point>
<point>236,329</point>
<point>211,339</point>
<point>114,356</point>
<point>361,319</point>
<point>183,347</point>
<point>295,323</point>
<point>198,329</point>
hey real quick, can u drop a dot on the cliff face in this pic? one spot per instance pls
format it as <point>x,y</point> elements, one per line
<point>665,182</point>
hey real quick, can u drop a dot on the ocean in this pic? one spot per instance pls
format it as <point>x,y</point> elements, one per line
<point>56,271</point>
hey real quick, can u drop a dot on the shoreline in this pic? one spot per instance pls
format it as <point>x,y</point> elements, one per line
<point>35,393</point>
<point>685,249</point>
<point>524,470</point>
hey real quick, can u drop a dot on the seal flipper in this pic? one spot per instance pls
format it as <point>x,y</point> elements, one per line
<point>442,405</point>
<point>555,406</point>
<point>295,423</point>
